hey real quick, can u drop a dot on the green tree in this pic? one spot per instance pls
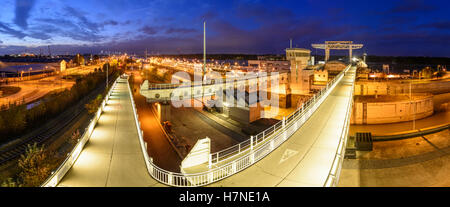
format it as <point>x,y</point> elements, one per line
<point>33,166</point>
<point>93,106</point>
<point>10,183</point>
<point>427,72</point>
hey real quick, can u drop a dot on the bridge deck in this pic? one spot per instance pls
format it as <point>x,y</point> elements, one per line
<point>304,159</point>
<point>113,156</point>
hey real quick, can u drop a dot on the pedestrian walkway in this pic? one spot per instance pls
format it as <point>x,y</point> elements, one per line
<point>113,155</point>
<point>306,158</point>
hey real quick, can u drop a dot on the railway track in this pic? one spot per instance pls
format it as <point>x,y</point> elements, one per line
<point>48,130</point>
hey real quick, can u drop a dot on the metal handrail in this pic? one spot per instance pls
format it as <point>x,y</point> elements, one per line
<point>300,111</point>
<point>72,157</point>
<point>159,86</point>
<point>333,175</point>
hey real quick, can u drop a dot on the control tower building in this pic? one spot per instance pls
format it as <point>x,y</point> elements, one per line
<point>299,78</point>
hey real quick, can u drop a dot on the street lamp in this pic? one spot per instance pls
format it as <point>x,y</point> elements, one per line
<point>29,73</point>
<point>107,67</point>
<point>411,103</point>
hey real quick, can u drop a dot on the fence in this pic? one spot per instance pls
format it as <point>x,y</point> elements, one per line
<point>159,86</point>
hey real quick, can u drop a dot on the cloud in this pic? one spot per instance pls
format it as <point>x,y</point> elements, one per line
<point>409,6</point>
<point>110,22</point>
<point>180,30</point>
<point>149,30</point>
<point>63,28</point>
<point>4,28</point>
<point>126,22</point>
<point>264,14</point>
<point>442,25</point>
<point>82,20</point>
<point>22,12</point>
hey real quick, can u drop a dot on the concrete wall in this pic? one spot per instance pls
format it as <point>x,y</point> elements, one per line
<point>391,112</point>
<point>399,87</point>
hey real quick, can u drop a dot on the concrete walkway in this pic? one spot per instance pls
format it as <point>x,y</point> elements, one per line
<point>304,159</point>
<point>113,156</point>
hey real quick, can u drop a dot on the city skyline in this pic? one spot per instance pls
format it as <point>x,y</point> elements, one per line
<point>402,28</point>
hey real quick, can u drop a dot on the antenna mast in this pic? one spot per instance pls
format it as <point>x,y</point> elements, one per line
<point>204,47</point>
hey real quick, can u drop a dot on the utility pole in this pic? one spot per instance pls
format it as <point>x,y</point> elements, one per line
<point>107,69</point>
<point>204,48</point>
<point>411,103</point>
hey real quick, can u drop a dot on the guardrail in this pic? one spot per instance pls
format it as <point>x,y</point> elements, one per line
<point>333,176</point>
<point>59,173</point>
<point>159,86</point>
<point>250,151</point>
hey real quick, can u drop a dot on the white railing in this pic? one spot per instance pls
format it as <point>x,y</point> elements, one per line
<point>59,173</point>
<point>160,86</point>
<point>244,154</point>
<point>335,171</point>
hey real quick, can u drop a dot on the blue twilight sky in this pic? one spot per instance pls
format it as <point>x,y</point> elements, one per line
<point>386,27</point>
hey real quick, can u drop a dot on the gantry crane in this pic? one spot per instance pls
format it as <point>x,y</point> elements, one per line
<point>337,45</point>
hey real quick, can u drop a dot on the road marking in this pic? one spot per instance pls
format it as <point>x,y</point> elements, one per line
<point>287,154</point>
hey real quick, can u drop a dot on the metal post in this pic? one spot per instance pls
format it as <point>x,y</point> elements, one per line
<point>350,54</point>
<point>411,103</point>
<point>204,48</point>
<point>251,143</point>
<point>107,69</point>
<point>210,161</point>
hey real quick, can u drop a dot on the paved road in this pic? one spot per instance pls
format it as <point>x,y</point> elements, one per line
<point>158,146</point>
<point>113,156</point>
<point>305,158</point>
<point>35,89</point>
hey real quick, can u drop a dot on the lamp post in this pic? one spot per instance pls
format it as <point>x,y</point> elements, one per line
<point>107,69</point>
<point>410,100</point>
<point>29,73</point>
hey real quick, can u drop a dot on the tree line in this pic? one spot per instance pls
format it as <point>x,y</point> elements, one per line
<point>16,119</point>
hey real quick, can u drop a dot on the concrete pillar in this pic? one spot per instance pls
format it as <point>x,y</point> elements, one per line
<point>350,54</point>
